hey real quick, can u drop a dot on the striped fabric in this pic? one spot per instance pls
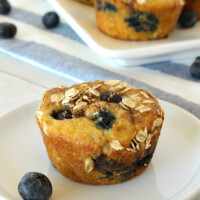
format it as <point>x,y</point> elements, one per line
<point>61,51</point>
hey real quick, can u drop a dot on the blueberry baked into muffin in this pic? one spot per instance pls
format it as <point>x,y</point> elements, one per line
<point>101,132</point>
<point>193,5</point>
<point>137,19</point>
<point>89,2</point>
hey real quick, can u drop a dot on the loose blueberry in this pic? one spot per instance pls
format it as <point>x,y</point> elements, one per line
<point>109,7</point>
<point>104,119</point>
<point>187,19</point>
<point>7,30</point>
<point>51,19</point>
<point>195,68</point>
<point>34,186</point>
<point>142,21</point>
<point>110,97</point>
<point>5,7</point>
<point>62,114</point>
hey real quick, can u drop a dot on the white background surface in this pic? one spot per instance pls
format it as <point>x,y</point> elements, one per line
<point>21,82</point>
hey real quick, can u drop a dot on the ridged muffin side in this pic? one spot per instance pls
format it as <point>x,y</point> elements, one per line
<point>100,132</point>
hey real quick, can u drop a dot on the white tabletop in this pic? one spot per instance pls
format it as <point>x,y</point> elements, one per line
<point>21,82</point>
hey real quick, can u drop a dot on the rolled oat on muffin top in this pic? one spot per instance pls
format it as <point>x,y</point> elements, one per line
<point>101,132</point>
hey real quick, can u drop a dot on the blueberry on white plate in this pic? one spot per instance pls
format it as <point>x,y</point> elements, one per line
<point>35,186</point>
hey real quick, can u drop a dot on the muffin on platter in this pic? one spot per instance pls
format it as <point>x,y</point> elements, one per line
<point>101,132</point>
<point>137,19</point>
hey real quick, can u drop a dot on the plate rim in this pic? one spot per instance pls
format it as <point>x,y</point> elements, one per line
<point>194,193</point>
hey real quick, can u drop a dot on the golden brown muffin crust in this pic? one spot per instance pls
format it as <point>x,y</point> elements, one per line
<point>85,140</point>
<point>137,19</point>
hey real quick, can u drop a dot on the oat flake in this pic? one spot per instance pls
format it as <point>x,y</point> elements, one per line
<point>115,144</point>
<point>94,92</point>
<point>57,97</point>
<point>112,82</point>
<point>71,93</point>
<point>141,135</point>
<point>128,102</point>
<point>156,123</point>
<point>89,165</point>
<point>39,114</point>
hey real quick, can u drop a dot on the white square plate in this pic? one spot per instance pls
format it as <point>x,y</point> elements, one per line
<point>82,19</point>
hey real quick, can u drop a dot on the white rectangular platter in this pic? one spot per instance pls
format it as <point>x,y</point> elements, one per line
<point>83,20</point>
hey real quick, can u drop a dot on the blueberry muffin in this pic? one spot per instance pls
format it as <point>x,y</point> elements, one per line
<point>89,2</point>
<point>137,19</point>
<point>193,5</point>
<point>101,132</point>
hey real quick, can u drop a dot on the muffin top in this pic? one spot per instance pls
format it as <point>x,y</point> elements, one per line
<point>153,4</point>
<point>107,114</point>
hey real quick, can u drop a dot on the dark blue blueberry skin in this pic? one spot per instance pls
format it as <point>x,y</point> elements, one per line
<point>195,68</point>
<point>187,19</point>
<point>35,186</point>
<point>110,97</point>
<point>109,7</point>
<point>142,21</point>
<point>7,30</point>
<point>104,119</point>
<point>5,7</point>
<point>51,20</point>
<point>62,114</point>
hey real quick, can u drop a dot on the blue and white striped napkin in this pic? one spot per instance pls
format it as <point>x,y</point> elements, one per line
<point>61,51</point>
